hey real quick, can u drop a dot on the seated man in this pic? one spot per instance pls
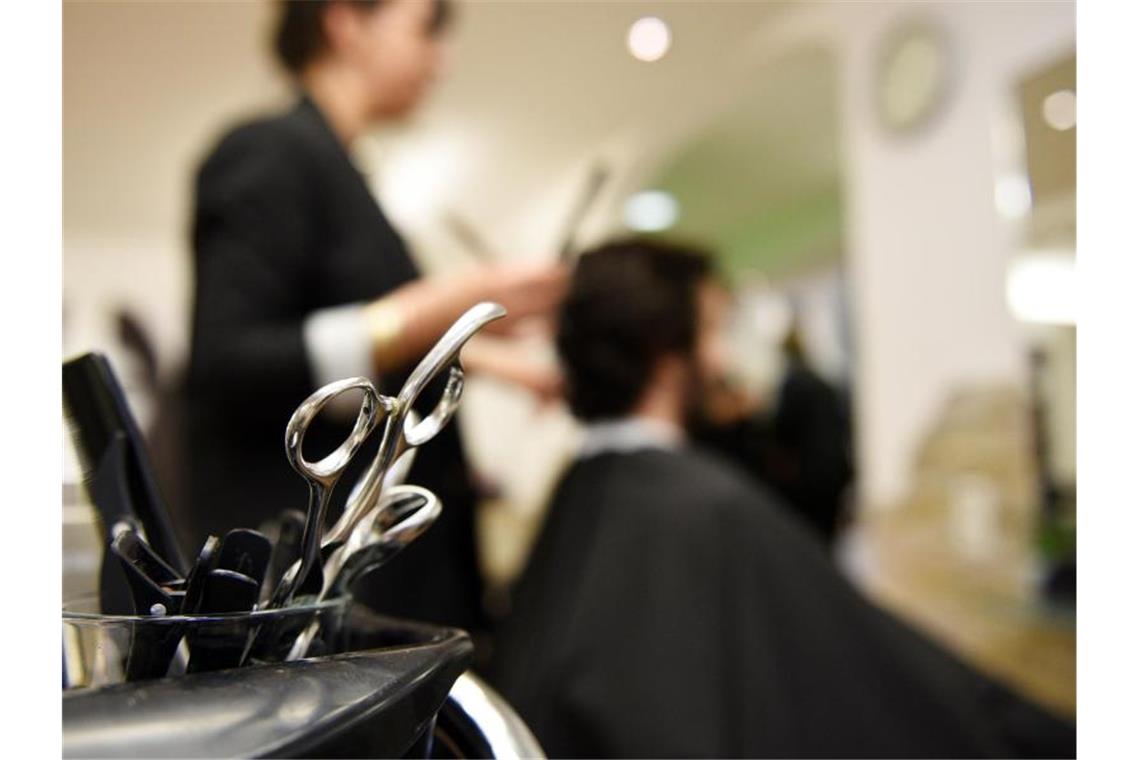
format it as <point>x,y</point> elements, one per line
<point>670,608</point>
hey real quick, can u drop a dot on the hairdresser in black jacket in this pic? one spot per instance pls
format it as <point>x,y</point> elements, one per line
<point>300,280</point>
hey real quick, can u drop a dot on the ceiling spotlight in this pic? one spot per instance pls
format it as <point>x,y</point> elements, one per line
<point>649,39</point>
<point>650,211</point>
<point>1060,110</point>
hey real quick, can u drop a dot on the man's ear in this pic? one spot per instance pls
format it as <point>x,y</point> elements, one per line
<point>341,26</point>
<point>669,371</point>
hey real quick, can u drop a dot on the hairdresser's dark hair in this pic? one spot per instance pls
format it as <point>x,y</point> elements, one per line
<point>630,303</point>
<point>300,36</point>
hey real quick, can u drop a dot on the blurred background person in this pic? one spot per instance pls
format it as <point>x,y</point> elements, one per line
<point>799,444</point>
<point>809,460</point>
<point>672,608</point>
<point>301,280</point>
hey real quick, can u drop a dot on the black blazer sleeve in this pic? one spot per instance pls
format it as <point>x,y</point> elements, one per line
<point>253,225</point>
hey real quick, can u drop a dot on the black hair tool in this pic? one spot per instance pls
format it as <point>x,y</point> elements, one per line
<point>286,549</point>
<point>466,234</point>
<point>221,643</point>
<point>462,231</point>
<point>247,552</point>
<point>152,646</point>
<point>117,470</point>
<point>593,187</point>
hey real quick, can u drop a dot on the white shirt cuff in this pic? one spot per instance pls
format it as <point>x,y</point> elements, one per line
<point>338,345</point>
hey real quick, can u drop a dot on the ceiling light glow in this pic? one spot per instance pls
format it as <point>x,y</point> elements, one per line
<point>651,211</point>
<point>649,39</point>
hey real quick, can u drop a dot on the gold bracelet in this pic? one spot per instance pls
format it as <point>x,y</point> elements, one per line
<point>385,324</point>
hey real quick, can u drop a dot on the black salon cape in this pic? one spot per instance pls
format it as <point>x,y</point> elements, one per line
<point>670,609</point>
<point>284,225</point>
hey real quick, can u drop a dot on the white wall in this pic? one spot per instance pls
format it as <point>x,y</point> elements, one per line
<point>146,88</point>
<point>927,249</point>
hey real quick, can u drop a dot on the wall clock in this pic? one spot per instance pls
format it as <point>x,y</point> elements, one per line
<point>914,77</point>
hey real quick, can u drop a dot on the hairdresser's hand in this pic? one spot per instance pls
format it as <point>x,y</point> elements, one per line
<point>531,292</point>
<point>514,362</point>
<point>405,323</point>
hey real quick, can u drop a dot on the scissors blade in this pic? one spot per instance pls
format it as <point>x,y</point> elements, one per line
<point>446,351</point>
<point>402,517</point>
<point>398,437</point>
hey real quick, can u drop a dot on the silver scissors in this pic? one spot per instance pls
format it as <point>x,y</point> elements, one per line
<point>404,513</point>
<point>401,434</point>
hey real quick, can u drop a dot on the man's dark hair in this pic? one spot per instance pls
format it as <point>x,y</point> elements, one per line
<point>300,36</point>
<point>630,303</point>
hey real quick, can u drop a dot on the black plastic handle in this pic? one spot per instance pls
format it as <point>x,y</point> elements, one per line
<point>98,408</point>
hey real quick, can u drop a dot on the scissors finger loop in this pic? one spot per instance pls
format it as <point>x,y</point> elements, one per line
<point>326,470</point>
<point>425,430</point>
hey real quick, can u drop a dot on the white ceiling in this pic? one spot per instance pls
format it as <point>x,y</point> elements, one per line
<point>146,86</point>
<point>536,91</point>
<point>540,91</point>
